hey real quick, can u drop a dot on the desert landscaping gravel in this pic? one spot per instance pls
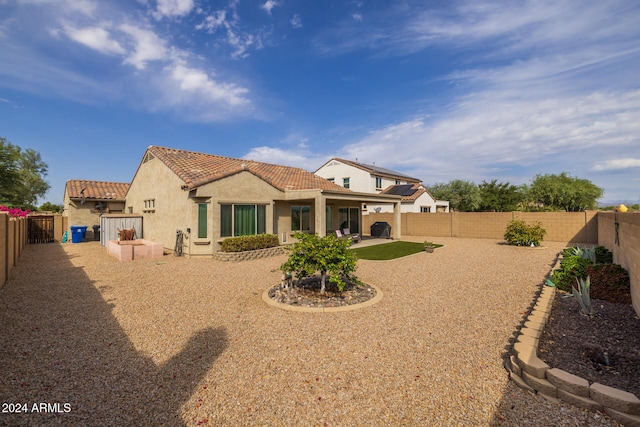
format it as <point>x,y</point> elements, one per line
<point>177,341</point>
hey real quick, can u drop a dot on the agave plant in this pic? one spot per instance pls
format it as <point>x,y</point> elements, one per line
<point>586,253</point>
<point>582,295</point>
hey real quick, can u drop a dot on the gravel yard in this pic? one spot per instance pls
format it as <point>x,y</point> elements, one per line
<point>190,342</point>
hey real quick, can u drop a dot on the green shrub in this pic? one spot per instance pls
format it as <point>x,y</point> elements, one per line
<point>571,268</point>
<point>603,256</point>
<point>249,243</point>
<point>519,233</point>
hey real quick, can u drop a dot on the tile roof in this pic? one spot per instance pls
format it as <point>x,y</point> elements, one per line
<point>96,189</point>
<point>376,170</point>
<point>409,192</point>
<point>197,169</point>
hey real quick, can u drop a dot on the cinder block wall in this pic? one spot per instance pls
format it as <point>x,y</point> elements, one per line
<point>13,239</point>
<point>479,225</point>
<point>620,233</point>
<point>575,227</point>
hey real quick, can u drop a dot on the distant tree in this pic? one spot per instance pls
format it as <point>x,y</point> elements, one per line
<point>564,192</point>
<point>500,197</point>
<point>50,207</point>
<point>22,175</point>
<point>462,195</point>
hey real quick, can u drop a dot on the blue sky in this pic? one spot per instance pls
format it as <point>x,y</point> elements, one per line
<point>474,90</point>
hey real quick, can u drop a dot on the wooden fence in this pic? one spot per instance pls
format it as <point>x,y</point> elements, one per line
<point>40,229</point>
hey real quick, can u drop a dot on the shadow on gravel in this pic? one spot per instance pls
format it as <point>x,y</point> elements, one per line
<point>62,350</point>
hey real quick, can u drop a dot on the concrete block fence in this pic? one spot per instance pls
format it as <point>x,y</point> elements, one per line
<point>531,373</point>
<point>13,239</point>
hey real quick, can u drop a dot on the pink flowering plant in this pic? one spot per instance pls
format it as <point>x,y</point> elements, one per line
<point>14,212</point>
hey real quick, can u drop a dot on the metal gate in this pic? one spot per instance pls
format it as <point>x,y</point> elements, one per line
<point>40,229</point>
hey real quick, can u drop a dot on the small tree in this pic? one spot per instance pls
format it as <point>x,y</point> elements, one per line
<point>327,255</point>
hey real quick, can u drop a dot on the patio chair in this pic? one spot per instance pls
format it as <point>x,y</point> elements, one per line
<point>355,237</point>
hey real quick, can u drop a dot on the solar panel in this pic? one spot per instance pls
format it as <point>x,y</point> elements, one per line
<point>401,190</point>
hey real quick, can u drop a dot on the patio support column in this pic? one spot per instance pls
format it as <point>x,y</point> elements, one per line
<point>321,215</point>
<point>397,220</point>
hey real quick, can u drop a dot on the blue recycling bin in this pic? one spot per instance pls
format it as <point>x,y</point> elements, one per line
<point>77,233</point>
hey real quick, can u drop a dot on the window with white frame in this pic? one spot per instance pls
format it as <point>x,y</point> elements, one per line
<point>425,208</point>
<point>346,182</point>
<point>378,183</point>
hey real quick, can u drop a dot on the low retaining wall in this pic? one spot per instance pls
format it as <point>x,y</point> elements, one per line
<point>531,373</point>
<point>247,255</point>
<point>129,250</point>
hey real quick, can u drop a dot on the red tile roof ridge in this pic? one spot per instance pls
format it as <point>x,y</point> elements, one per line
<point>197,169</point>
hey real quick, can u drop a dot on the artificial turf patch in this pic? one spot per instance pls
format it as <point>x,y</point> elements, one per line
<point>393,250</point>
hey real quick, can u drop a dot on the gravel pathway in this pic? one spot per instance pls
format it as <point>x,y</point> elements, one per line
<point>189,342</point>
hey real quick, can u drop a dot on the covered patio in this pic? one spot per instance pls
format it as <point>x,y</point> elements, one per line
<point>324,211</point>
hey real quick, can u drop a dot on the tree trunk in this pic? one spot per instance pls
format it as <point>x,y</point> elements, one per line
<point>323,281</point>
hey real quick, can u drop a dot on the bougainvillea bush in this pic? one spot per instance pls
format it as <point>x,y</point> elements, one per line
<point>14,212</point>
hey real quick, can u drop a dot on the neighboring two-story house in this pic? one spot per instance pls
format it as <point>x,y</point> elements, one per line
<point>364,178</point>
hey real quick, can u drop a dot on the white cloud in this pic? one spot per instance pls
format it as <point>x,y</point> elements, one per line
<point>278,156</point>
<point>97,38</point>
<point>296,21</point>
<point>269,5</point>
<point>193,81</point>
<point>214,21</point>
<point>240,41</point>
<point>147,46</point>
<point>357,17</point>
<point>617,164</point>
<point>490,130</point>
<point>169,8</point>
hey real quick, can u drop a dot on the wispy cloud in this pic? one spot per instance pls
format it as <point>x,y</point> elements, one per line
<point>167,77</point>
<point>617,164</point>
<point>97,38</point>
<point>240,40</point>
<point>269,5</point>
<point>296,21</point>
<point>171,8</point>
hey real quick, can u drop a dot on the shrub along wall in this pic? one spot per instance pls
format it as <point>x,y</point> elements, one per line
<point>574,227</point>
<point>620,233</point>
<point>13,238</point>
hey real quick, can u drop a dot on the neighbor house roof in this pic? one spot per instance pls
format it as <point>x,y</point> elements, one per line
<point>197,169</point>
<point>99,190</point>
<point>409,192</point>
<point>376,170</point>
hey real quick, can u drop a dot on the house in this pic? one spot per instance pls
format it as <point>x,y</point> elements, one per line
<point>85,201</point>
<point>377,180</point>
<point>208,198</point>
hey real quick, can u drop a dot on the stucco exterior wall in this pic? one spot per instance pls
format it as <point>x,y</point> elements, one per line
<point>86,214</point>
<point>243,187</point>
<point>171,205</point>
<point>406,207</point>
<point>359,180</point>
